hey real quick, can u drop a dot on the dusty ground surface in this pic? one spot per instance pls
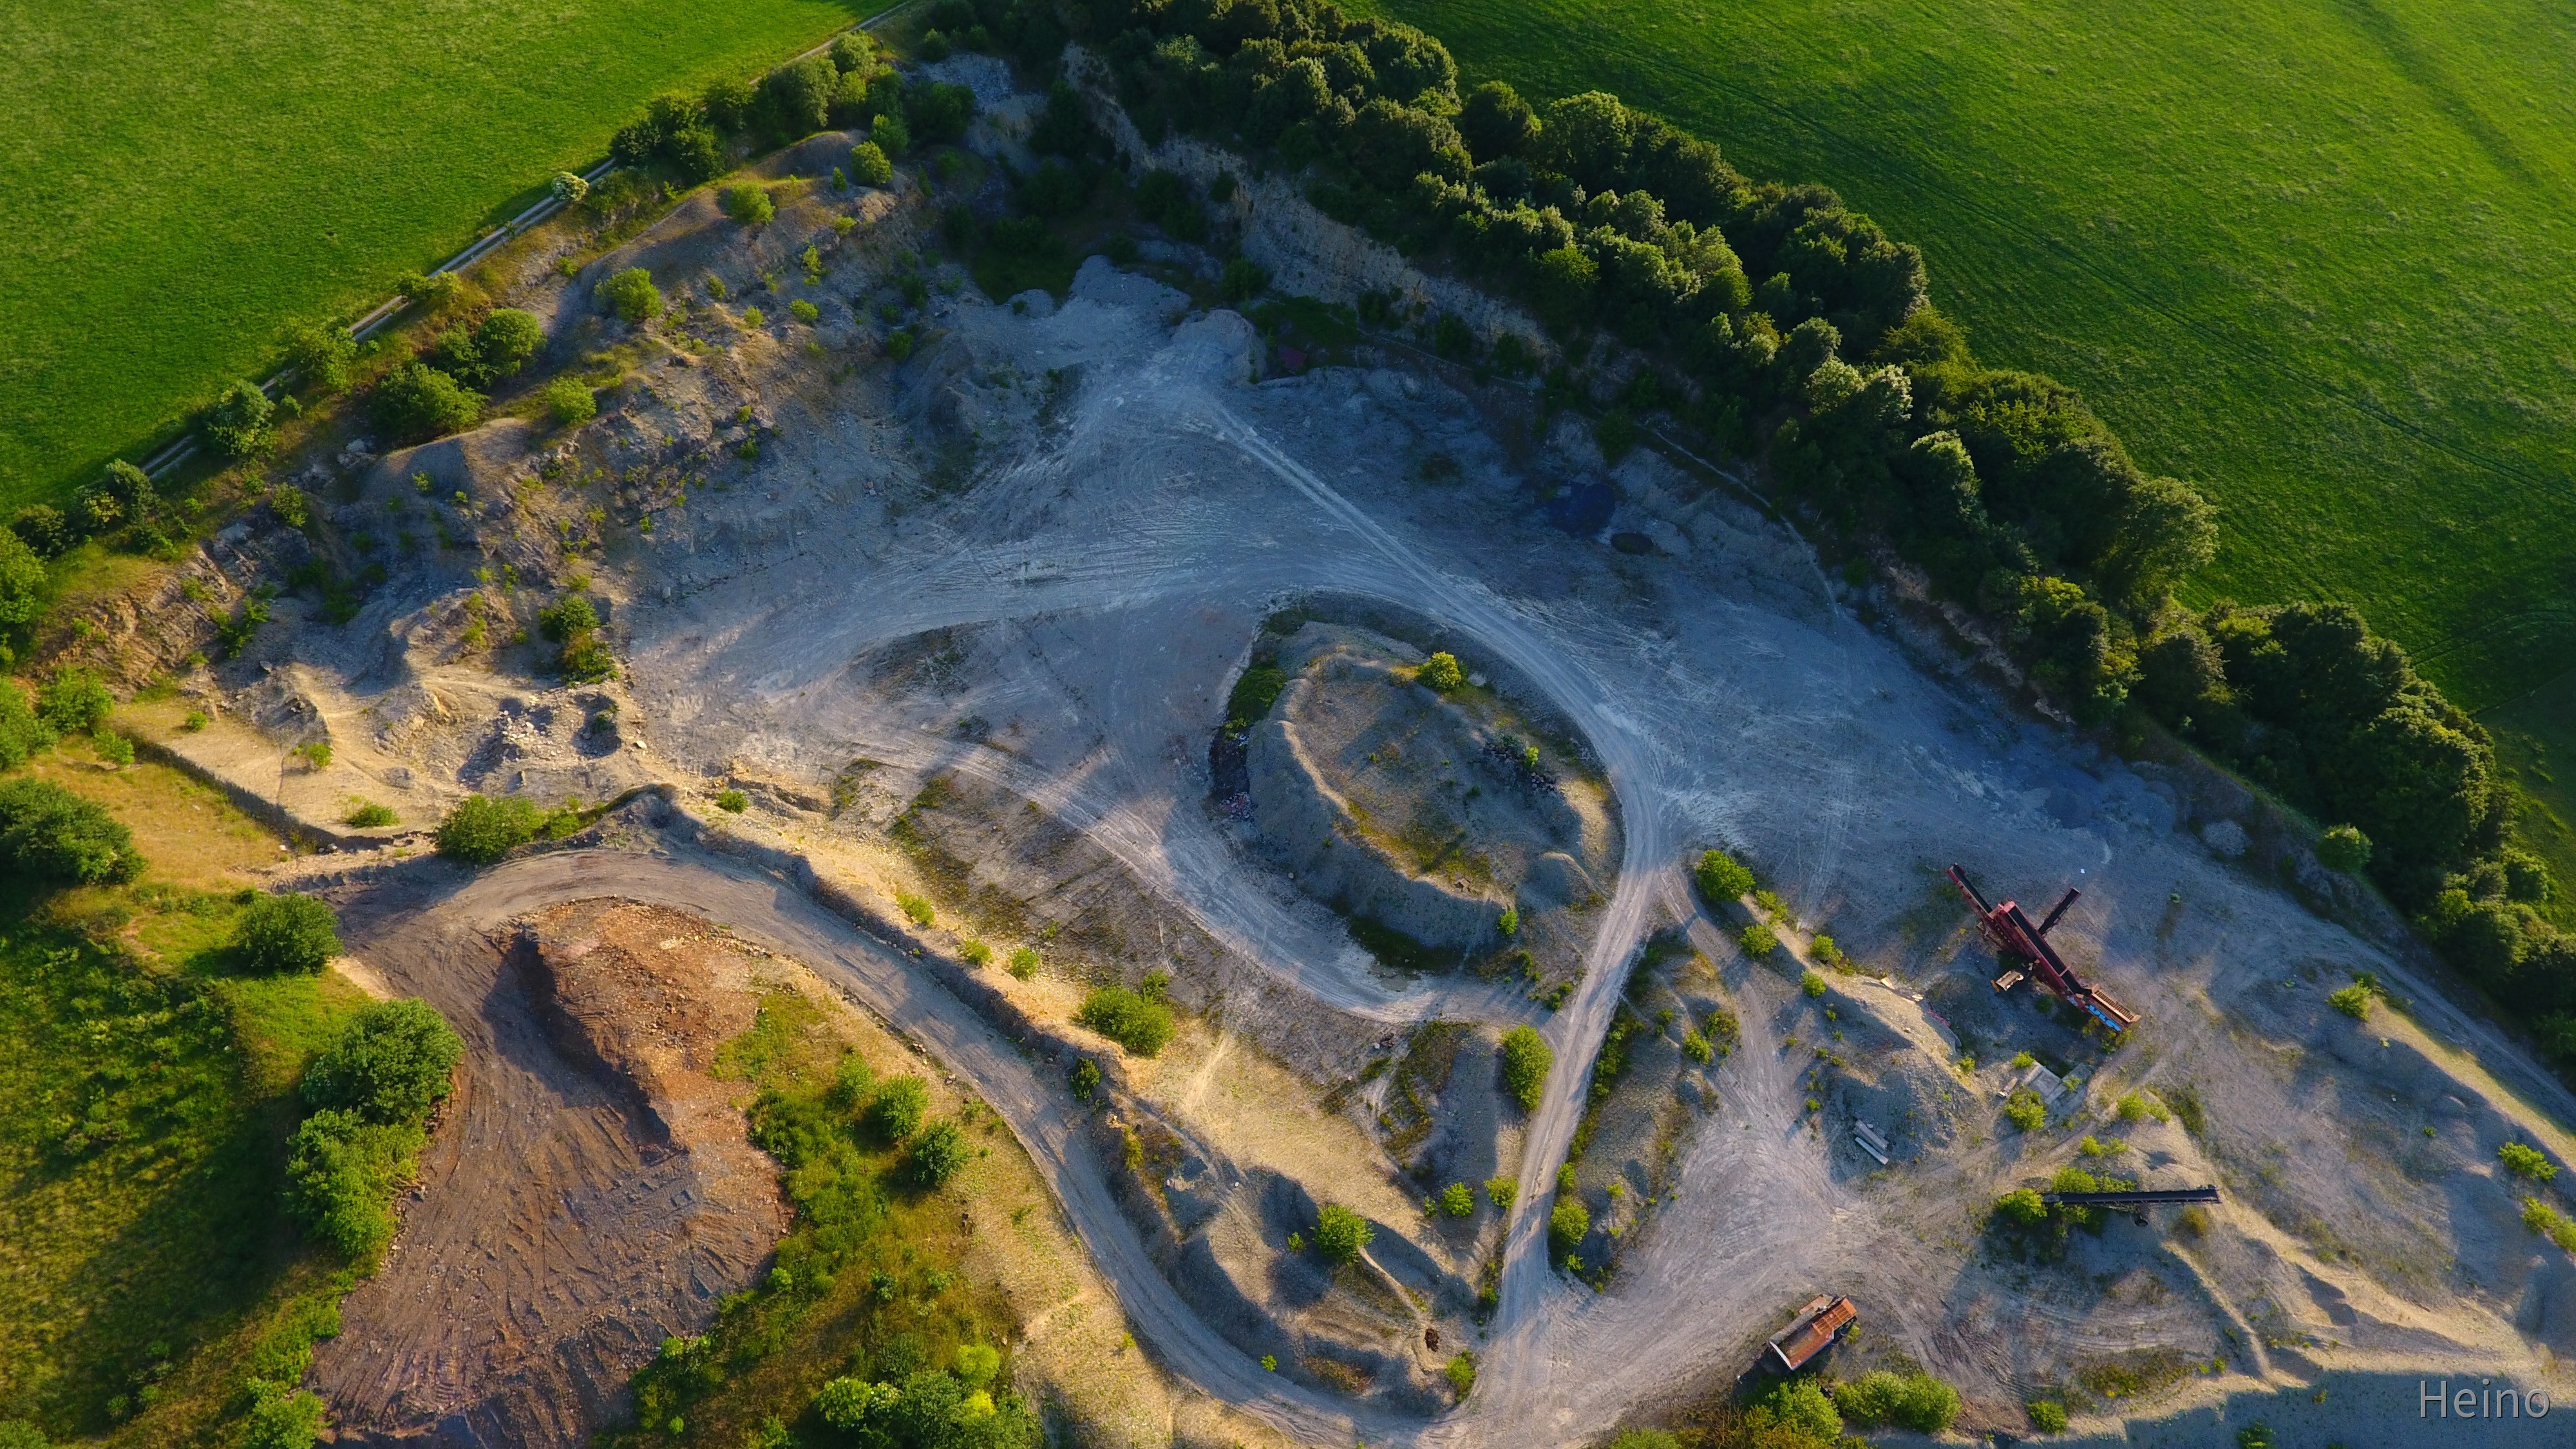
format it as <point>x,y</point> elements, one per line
<point>1034,556</point>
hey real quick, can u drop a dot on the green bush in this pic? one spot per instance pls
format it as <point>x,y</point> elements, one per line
<point>631,295</point>
<point>889,135</point>
<point>49,833</point>
<point>21,733</point>
<point>241,424</point>
<point>1757,940</point>
<point>938,1154</point>
<point>566,617</point>
<point>367,814</point>
<point>417,402</point>
<point>1812,984</point>
<point>2047,1416</point>
<point>2025,1110</point>
<point>1698,1048</point>
<point>390,1064</point>
<point>482,829</point>
<point>1526,1061</point>
<point>1915,1401</point>
<point>2344,848</point>
<point>1441,672</point>
<point>978,1364</point>
<point>1658,1439</point>
<point>2021,1208</point>
<point>1568,1225</point>
<point>113,748</point>
<point>75,701</point>
<point>1024,962</point>
<point>804,311</point>
<point>869,166</point>
<point>752,319</point>
<point>1341,1235</point>
<point>748,203</point>
<point>1721,879</point>
<point>732,802</point>
<point>570,402</point>
<point>321,355</point>
<point>1140,1025</point>
<point>1084,1078</point>
<point>1458,1200</point>
<point>1461,1372</point>
<point>895,1112</point>
<point>915,909</point>
<point>2524,1160</point>
<point>1500,1191</point>
<point>853,1405</point>
<point>288,934</point>
<point>1243,280</point>
<point>2352,1001</point>
<point>341,1172</point>
<point>281,1416</point>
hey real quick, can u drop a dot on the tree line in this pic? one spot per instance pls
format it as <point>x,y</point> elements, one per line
<point>1782,324</point>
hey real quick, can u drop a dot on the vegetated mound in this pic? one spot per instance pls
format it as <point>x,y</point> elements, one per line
<point>594,1195</point>
<point>1436,830</point>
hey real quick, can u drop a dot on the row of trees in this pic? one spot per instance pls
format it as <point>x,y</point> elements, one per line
<point>1781,322</point>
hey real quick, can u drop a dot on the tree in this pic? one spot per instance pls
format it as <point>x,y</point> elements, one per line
<point>869,166</point>
<point>1526,1062</point>
<point>1799,1405</point>
<point>321,354</point>
<point>1341,1235</point>
<point>1495,122</point>
<point>1561,283</point>
<point>938,1154</point>
<point>799,95</point>
<point>417,402</point>
<point>1244,279</point>
<point>2021,1208</point>
<point>505,341</point>
<point>2344,848</point>
<point>1568,1225</point>
<point>940,113</point>
<point>1458,1200</point>
<point>281,1416</point>
<point>340,1171</point>
<point>284,934</point>
<point>482,829</point>
<point>895,1112</point>
<point>631,295</point>
<point>2074,650</point>
<point>239,424</point>
<point>392,1064</point>
<point>75,701</point>
<point>1441,672</point>
<point>568,188</point>
<point>1721,879</point>
<point>22,576</point>
<point>570,402</point>
<point>852,1405</point>
<point>748,203</point>
<point>889,134</point>
<point>49,833</point>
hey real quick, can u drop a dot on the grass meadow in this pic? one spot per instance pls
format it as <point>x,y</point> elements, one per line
<point>2318,256</point>
<point>183,178</point>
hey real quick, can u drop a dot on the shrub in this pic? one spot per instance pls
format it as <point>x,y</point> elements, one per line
<point>1915,1401</point>
<point>889,136</point>
<point>281,1416</point>
<point>1458,1200</point>
<point>631,295</point>
<point>75,701</point>
<point>340,1171</point>
<point>1441,672</point>
<point>978,1364</point>
<point>21,733</point>
<point>2026,1111</point>
<point>1721,879</point>
<point>1024,962</point>
<point>895,1112</point>
<point>570,402</point>
<point>417,402</point>
<point>1141,1026</point>
<point>1652,1439</point>
<point>869,166</point>
<point>113,748</point>
<point>1500,1191</point>
<point>804,311</point>
<point>938,1154</point>
<point>367,814</point>
<point>49,833</point>
<point>752,318</point>
<point>482,829</point>
<point>2021,1208</point>
<point>284,934</point>
<point>2344,848</point>
<point>1526,1061</point>
<point>1243,280</point>
<point>1812,984</point>
<point>2352,1001</point>
<point>732,802</point>
<point>39,532</point>
<point>391,1064</point>
<point>2136,1106</point>
<point>852,1405</point>
<point>433,293</point>
<point>1568,1225</point>
<point>1085,1078</point>
<point>1341,1235</point>
<point>1698,1048</point>
<point>915,909</point>
<point>2524,1160</point>
<point>976,953</point>
<point>798,95</point>
<point>241,424</point>
<point>748,203</point>
<point>2047,1416</point>
<point>939,112</point>
<point>321,355</point>
<point>1757,940</point>
<point>1509,922</point>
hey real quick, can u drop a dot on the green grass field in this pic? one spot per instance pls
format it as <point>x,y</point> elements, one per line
<point>2318,256</point>
<point>182,178</point>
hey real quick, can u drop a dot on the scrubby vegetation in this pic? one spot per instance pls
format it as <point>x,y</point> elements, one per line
<point>287,933</point>
<point>1138,1021</point>
<point>483,828</point>
<point>863,1332</point>
<point>1341,1235</point>
<point>1913,1400</point>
